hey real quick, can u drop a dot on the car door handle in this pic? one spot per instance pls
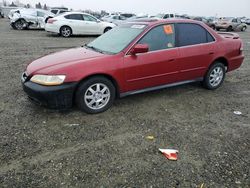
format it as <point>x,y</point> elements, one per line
<point>170,60</point>
<point>211,53</point>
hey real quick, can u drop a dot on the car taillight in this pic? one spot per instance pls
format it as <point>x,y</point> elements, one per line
<point>241,49</point>
<point>51,21</point>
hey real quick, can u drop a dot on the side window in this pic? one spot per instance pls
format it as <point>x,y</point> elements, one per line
<point>62,11</point>
<point>160,37</point>
<point>191,34</point>
<point>166,16</point>
<point>234,20</point>
<point>54,11</point>
<point>88,18</point>
<point>74,17</point>
<point>40,14</point>
<point>210,38</point>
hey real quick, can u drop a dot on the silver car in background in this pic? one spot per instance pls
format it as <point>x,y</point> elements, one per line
<point>230,24</point>
<point>29,18</point>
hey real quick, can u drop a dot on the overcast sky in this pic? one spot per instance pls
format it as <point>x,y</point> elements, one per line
<point>192,7</point>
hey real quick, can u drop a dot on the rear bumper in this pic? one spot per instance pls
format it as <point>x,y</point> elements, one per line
<point>235,62</point>
<point>51,28</point>
<point>222,26</point>
<point>55,97</point>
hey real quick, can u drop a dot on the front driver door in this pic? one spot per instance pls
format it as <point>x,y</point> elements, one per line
<point>157,67</point>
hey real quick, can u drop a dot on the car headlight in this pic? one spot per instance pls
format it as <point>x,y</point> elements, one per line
<point>48,80</point>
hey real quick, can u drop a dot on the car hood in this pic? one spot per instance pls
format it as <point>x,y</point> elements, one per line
<point>63,57</point>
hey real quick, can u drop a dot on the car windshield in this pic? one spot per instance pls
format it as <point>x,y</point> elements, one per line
<point>116,39</point>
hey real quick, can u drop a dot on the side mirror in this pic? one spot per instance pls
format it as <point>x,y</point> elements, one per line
<point>139,48</point>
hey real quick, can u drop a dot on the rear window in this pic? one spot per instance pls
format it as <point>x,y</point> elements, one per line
<point>191,34</point>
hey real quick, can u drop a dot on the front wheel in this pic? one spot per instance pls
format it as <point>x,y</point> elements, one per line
<point>95,95</point>
<point>20,25</point>
<point>215,76</point>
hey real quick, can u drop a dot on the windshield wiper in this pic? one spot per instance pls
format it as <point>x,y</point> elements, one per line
<point>94,48</point>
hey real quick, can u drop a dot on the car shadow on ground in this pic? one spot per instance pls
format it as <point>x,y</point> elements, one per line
<point>121,102</point>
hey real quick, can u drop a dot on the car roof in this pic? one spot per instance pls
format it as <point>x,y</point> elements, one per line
<point>67,13</point>
<point>152,21</point>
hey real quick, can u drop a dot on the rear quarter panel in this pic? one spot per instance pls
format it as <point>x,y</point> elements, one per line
<point>230,49</point>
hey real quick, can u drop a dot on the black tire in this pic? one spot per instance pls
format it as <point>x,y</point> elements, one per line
<point>213,27</point>
<point>230,28</point>
<point>107,29</point>
<point>20,24</point>
<point>65,31</point>
<point>218,78</point>
<point>83,93</point>
<point>244,28</point>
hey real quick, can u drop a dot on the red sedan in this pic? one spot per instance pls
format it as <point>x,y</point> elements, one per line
<point>136,57</point>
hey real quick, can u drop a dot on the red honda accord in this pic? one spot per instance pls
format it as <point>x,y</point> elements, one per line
<point>136,57</point>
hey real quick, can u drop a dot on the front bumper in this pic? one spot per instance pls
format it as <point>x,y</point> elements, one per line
<point>55,97</point>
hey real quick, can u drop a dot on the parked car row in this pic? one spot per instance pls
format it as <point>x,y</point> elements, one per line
<point>68,23</point>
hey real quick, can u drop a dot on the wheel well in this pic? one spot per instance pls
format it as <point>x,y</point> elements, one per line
<point>107,28</point>
<point>46,20</point>
<point>222,60</point>
<point>114,82</point>
<point>66,26</point>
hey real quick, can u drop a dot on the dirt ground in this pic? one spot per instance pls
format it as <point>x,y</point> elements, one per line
<point>44,148</point>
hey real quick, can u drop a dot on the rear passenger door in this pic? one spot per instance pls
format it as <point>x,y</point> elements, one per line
<point>196,46</point>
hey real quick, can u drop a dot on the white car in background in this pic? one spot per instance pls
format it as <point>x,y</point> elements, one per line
<point>77,23</point>
<point>116,19</point>
<point>29,18</point>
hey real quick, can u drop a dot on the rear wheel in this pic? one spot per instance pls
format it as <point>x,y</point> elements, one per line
<point>215,76</point>
<point>244,28</point>
<point>230,28</point>
<point>95,95</point>
<point>66,31</point>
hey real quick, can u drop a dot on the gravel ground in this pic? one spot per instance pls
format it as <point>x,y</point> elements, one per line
<point>45,148</point>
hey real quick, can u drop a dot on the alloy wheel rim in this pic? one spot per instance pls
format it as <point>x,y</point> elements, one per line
<point>66,32</point>
<point>216,76</point>
<point>19,25</point>
<point>97,96</point>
